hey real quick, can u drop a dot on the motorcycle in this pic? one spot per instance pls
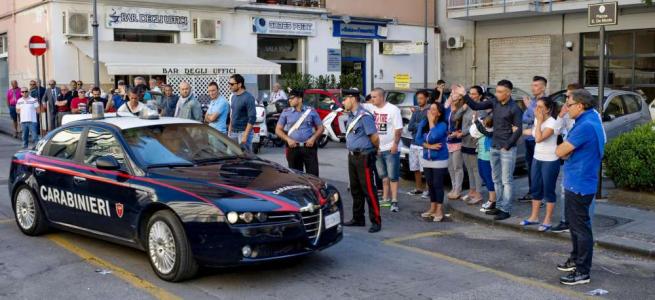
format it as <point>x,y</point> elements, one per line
<point>333,131</point>
<point>273,112</point>
<point>260,129</point>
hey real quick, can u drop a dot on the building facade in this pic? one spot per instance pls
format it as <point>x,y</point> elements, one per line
<point>519,39</point>
<point>201,41</point>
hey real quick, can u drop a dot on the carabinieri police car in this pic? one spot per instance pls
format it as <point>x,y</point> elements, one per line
<point>175,188</point>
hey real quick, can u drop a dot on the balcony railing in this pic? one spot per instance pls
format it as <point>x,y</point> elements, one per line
<point>472,4</point>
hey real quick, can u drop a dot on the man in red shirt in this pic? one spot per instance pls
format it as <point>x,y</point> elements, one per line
<point>79,104</point>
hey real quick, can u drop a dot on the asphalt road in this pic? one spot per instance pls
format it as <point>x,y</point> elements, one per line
<point>408,259</point>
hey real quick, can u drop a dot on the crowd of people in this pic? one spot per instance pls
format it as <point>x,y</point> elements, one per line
<point>463,129</point>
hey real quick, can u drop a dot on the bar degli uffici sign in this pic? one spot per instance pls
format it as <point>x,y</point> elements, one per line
<point>605,13</point>
<point>148,18</point>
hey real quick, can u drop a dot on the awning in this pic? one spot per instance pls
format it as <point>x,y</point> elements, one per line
<point>133,58</point>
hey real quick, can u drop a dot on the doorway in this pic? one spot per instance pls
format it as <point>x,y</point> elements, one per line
<point>353,61</point>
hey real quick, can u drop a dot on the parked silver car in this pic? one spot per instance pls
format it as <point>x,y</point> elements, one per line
<point>622,110</point>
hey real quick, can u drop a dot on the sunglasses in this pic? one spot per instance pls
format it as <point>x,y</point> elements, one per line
<point>571,104</point>
<point>232,83</point>
<point>23,91</point>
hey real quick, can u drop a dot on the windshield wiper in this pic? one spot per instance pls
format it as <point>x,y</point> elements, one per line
<point>170,165</point>
<point>215,159</point>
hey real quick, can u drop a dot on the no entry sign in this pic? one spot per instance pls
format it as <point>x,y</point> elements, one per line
<point>37,45</point>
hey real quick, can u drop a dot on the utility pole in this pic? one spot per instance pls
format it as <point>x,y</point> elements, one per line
<point>601,96</point>
<point>96,63</point>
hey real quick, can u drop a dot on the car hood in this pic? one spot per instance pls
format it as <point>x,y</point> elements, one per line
<point>245,184</point>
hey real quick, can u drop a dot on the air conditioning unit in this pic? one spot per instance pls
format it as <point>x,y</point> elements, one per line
<point>77,24</point>
<point>206,30</point>
<point>455,42</point>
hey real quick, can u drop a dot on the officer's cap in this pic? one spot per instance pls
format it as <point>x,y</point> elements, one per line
<point>296,93</point>
<point>351,92</point>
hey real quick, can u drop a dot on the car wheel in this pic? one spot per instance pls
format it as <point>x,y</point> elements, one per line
<point>28,214</point>
<point>168,248</point>
<point>323,141</point>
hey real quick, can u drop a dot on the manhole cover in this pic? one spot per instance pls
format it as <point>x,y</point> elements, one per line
<point>603,221</point>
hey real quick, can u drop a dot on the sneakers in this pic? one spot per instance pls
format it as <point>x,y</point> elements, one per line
<point>526,198</point>
<point>394,207</point>
<point>488,206</point>
<point>353,223</point>
<point>385,203</point>
<point>568,266</point>
<point>561,227</point>
<point>492,211</point>
<point>425,195</point>
<point>415,192</point>
<point>501,215</point>
<point>575,278</point>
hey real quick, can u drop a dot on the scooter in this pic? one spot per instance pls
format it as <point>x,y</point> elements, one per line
<point>260,130</point>
<point>273,112</point>
<point>333,131</point>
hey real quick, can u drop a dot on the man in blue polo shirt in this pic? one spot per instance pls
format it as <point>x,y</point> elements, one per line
<point>583,152</point>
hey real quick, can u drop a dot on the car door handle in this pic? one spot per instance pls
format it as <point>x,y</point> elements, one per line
<point>39,171</point>
<point>79,179</point>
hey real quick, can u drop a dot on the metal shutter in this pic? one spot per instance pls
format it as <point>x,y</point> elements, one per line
<point>518,59</point>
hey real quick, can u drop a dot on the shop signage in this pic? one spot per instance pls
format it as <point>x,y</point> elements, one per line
<point>264,25</point>
<point>334,60</point>
<point>148,18</point>
<point>359,30</point>
<point>402,48</point>
<point>401,81</point>
<point>197,71</point>
<point>603,14</point>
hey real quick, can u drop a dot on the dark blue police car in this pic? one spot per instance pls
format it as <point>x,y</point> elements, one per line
<point>175,188</point>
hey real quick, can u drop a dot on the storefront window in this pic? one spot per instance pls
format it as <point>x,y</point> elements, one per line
<point>289,52</point>
<point>630,62</point>
<point>144,36</point>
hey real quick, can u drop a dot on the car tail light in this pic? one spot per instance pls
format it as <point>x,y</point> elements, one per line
<point>255,129</point>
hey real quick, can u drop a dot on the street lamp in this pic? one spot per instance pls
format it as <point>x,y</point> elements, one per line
<point>96,66</point>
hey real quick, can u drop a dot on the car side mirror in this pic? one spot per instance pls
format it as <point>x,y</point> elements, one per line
<point>107,162</point>
<point>607,118</point>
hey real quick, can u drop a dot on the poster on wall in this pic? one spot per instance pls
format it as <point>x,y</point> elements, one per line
<point>402,48</point>
<point>401,80</point>
<point>147,18</point>
<point>264,25</point>
<point>334,60</point>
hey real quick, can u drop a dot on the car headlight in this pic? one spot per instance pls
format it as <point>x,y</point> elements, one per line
<point>246,217</point>
<point>334,199</point>
<point>232,217</point>
<point>261,217</point>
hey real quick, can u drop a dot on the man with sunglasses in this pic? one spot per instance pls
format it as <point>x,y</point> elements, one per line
<point>243,113</point>
<point>582,151</point>
<point>28,108</point>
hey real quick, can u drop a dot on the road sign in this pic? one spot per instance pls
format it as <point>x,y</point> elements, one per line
<point>600,14</point>
<point>37,45</point>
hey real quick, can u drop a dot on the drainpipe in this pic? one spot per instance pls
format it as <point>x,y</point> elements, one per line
<point>474,67</point>
<point>561,49</point>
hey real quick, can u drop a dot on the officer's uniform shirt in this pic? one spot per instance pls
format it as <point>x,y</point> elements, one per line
<point>306,129</point>
<point>358,137</point>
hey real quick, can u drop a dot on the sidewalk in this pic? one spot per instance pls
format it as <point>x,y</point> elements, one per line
<point>615,226</point>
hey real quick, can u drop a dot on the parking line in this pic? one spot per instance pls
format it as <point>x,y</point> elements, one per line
<point>119,272</point>
<point>533,282</point>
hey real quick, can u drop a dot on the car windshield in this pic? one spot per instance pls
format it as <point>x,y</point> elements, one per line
<point>179,145</point>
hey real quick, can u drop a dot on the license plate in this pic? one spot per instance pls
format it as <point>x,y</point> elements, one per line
<point>332,220</point>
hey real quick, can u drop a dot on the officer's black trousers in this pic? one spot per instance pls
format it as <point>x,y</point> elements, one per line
<point>303,159</point>
<point>362,186</point>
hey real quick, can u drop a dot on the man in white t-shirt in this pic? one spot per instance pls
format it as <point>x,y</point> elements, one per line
<point>28,108</point>
<point>390,125</point>
<point>277,93</point>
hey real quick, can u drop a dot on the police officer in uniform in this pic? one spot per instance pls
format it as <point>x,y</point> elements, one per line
<point>300,126</point>
<point>362,142</point>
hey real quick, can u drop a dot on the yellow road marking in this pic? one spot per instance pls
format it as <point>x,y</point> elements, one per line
<point>119,272</point>
<point>532,282</point>
<point>6,221</point>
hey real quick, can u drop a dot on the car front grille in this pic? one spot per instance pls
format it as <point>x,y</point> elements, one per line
<point>313,222</point>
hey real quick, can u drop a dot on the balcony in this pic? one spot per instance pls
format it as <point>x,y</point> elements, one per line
<point>297,3</point>
<point>287,6</point>
<point>478,10</point>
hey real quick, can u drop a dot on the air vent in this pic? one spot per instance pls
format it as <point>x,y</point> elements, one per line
<point>455,42</point>
<point>206,30</point>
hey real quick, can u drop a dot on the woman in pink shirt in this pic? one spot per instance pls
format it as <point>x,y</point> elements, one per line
<point>13,94</point>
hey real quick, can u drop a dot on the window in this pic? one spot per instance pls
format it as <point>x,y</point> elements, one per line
<point>64,143</point>
<point>396,98</point>
<point>632,104</point>
<point>288,52</point>
<point>4,45</point>
<point>326,103</point>
<point>311,100</point>
<point>100,142</point>
<point>144,36</point>
<point>615,108</point>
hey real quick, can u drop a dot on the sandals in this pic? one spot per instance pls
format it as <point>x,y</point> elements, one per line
<point>427,214</point>
<point>527,222</point>
<point>438,218</point>
<point>545,227</point>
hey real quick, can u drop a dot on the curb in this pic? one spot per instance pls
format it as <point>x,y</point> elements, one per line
<point>605,244</point>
